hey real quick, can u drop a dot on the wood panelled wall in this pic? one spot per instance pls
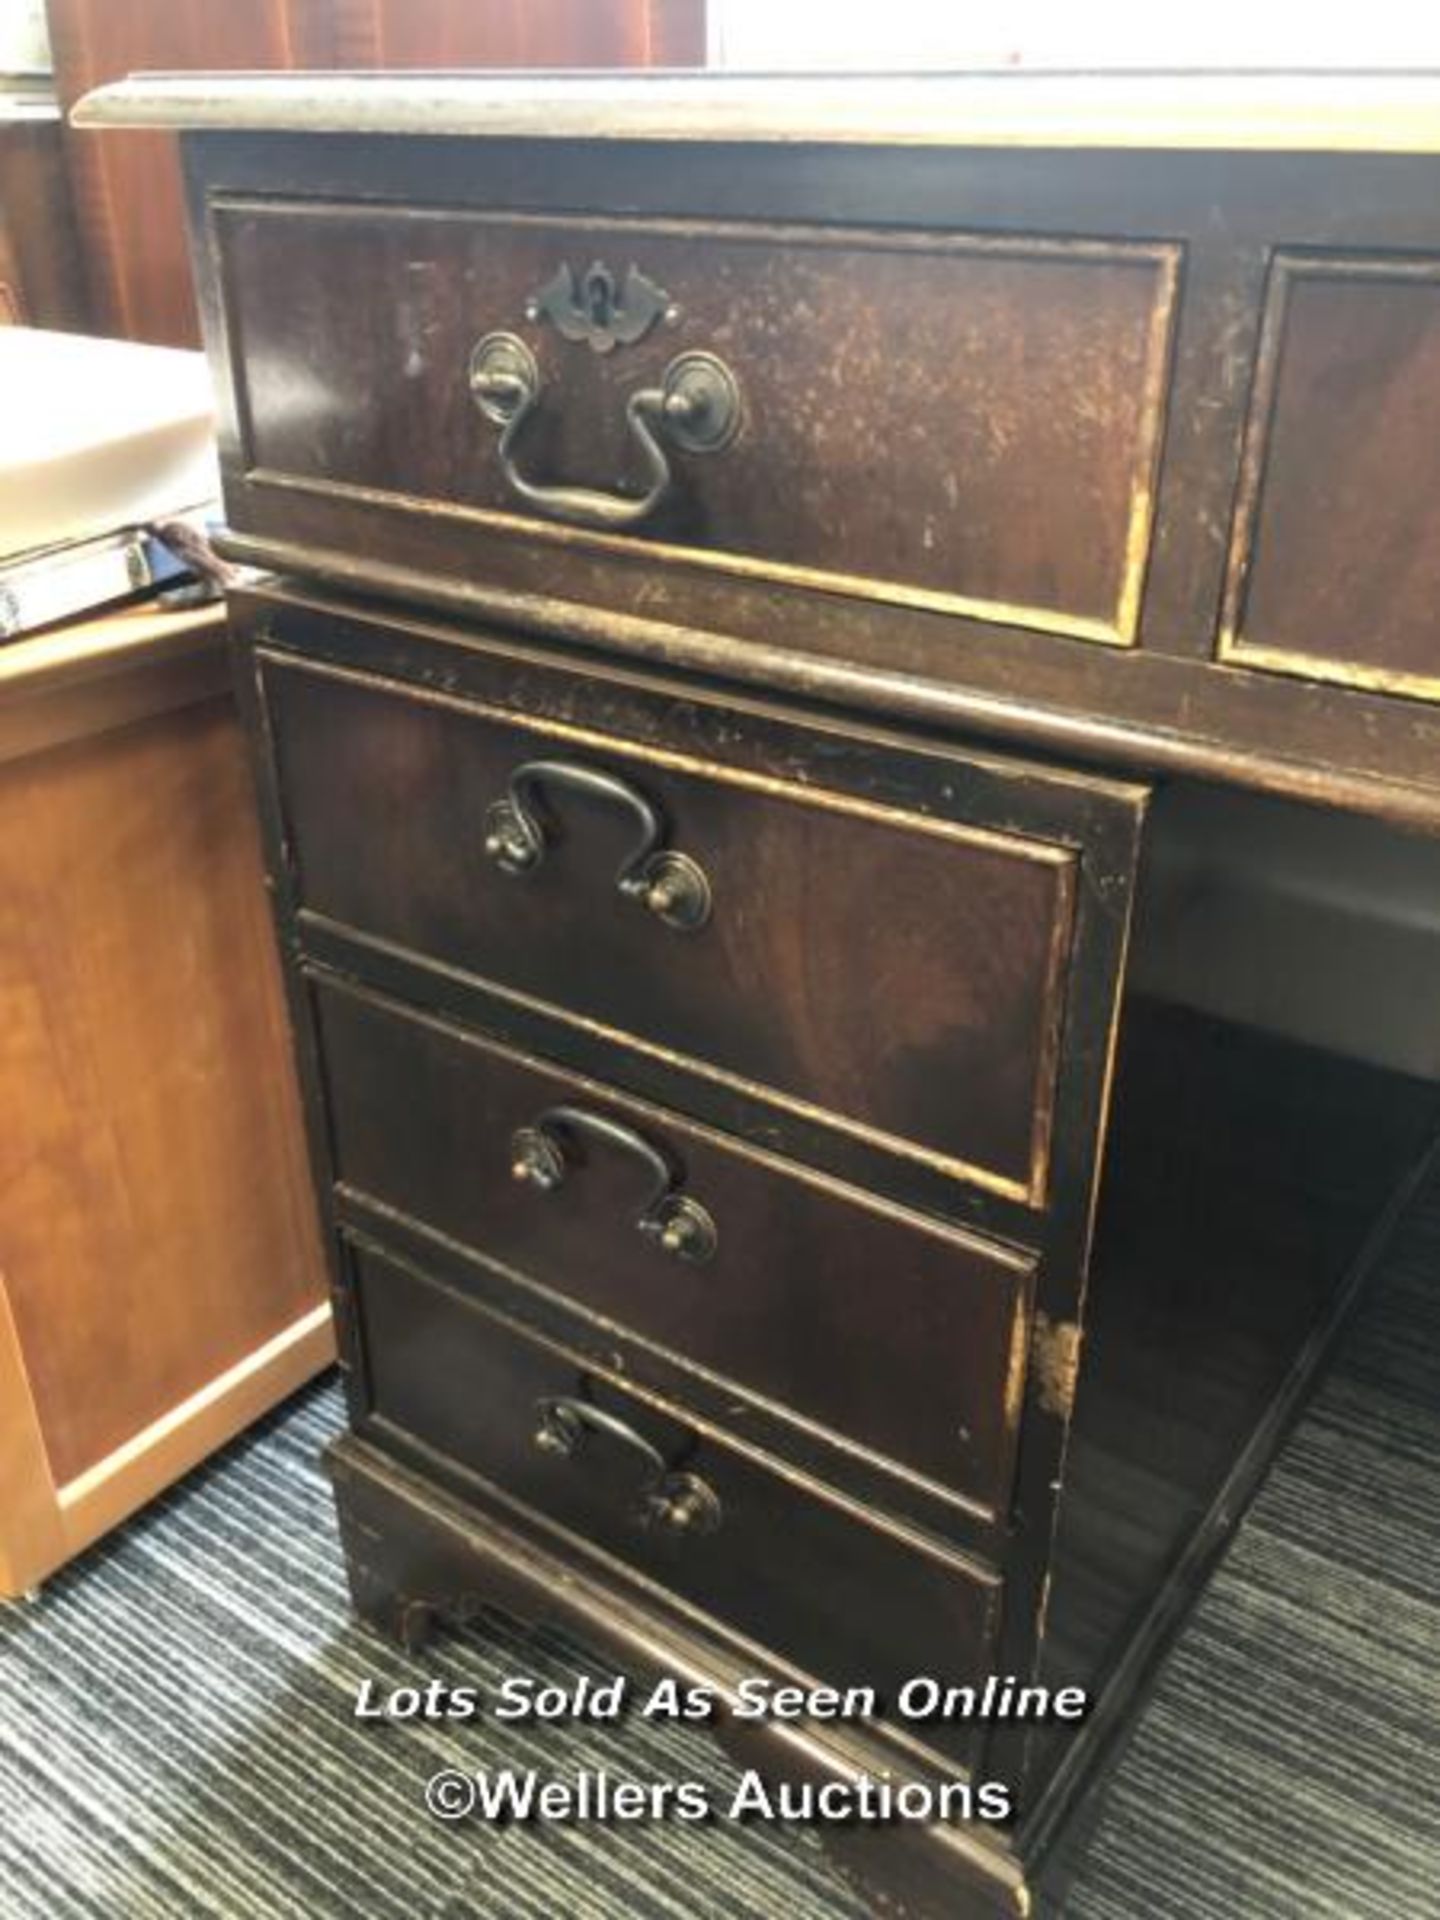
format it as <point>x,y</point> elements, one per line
<point>42,283</point>
<point>127,186</point>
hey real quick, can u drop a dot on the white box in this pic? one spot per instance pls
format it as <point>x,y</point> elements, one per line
<point>98,435</point>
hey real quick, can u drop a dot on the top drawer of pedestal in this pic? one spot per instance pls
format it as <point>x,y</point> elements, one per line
<point>964,422</point>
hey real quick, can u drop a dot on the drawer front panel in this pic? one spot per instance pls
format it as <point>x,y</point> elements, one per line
<point>902,973</point>
<point>970,422</point>
<point>1335,560</point>
<point>771,1559</point>
<point>906,1338</point>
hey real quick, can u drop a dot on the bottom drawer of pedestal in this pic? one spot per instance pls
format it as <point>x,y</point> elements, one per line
<point>835,1595</point>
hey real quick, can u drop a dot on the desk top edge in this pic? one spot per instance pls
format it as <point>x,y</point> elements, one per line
<point>115,639</point>
<point>1316,112</point>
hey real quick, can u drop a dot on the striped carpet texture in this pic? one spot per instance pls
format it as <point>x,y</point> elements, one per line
<point>176,1731</point>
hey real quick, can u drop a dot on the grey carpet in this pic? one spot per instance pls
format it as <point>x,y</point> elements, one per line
<point>175,1732</point>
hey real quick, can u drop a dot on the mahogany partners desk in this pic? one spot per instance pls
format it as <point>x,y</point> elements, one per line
<point>850,668</point>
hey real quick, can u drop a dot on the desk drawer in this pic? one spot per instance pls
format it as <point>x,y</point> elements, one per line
<point>858,941</point>
<point>770,1558</point>
<point>1335,548</point>
<point>900,1335</point>
<point>967,422</point>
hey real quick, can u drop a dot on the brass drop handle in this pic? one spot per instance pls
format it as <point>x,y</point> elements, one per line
<point>565,1421</point>
<point>695,409</point>
<point>673,1221</point>
<point>668,884</point>
<point>683,1503</point>
<point>676,1502</point>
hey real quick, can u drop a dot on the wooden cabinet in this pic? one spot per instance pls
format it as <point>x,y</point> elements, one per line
<point>754,566</point>
<point>161,1281</point>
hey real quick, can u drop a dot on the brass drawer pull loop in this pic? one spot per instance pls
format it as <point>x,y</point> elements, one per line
<point>676,1223</point>
<point>670,885</point>
<point>676,1502</point>
<point>695,409</point>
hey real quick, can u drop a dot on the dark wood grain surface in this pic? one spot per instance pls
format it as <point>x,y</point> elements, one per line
<point>805,1275</point>
<point>977,440</point>
<point>665,721</point>
<point>969,417</point>
<point>1335,568</point>
<point>923,1008</point>
<point>1183,697</point>
<point>833,1594</point>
